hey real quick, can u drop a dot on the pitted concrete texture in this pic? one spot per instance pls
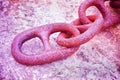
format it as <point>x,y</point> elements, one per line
<point>98,59</point>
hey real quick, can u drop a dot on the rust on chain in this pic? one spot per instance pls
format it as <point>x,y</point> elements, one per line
<point>91,27</point>
<point>49,54</point>
<point>94,26</point>
<point>110,16</point>
<point>72,34</point>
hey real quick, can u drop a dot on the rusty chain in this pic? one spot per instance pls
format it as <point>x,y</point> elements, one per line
<point>107,19</point>
<point>72,34</point>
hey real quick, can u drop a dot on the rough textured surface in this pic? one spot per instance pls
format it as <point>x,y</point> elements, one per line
<point>98,59</point>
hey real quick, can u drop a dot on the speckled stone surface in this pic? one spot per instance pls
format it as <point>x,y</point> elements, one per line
<point>98,59</point>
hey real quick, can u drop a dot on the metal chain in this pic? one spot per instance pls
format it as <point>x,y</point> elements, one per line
<point>91,27</point>
<point>71,37</point>
<point>49,54</point>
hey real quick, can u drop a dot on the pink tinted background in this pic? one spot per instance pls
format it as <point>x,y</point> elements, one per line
<point>97,59</point>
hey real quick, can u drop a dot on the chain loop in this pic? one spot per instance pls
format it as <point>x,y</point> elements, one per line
<point>93,29</point>
<point>49,54</point>
<point>89,29</point>
<point>109,15</point>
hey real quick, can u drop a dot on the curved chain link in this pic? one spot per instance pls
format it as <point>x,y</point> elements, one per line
<point>110,16</point>
<point>49,54</point>
<point>90,29</point>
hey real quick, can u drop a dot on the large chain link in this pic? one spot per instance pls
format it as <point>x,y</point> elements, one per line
<point>71,37</point>
<point>49,54</point>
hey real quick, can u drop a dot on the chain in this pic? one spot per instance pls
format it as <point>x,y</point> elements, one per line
<point>91,24</point>
<point>71,37</point>
<point>49,54</point>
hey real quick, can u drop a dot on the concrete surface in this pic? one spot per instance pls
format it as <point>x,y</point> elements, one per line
<point>97,59</point>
